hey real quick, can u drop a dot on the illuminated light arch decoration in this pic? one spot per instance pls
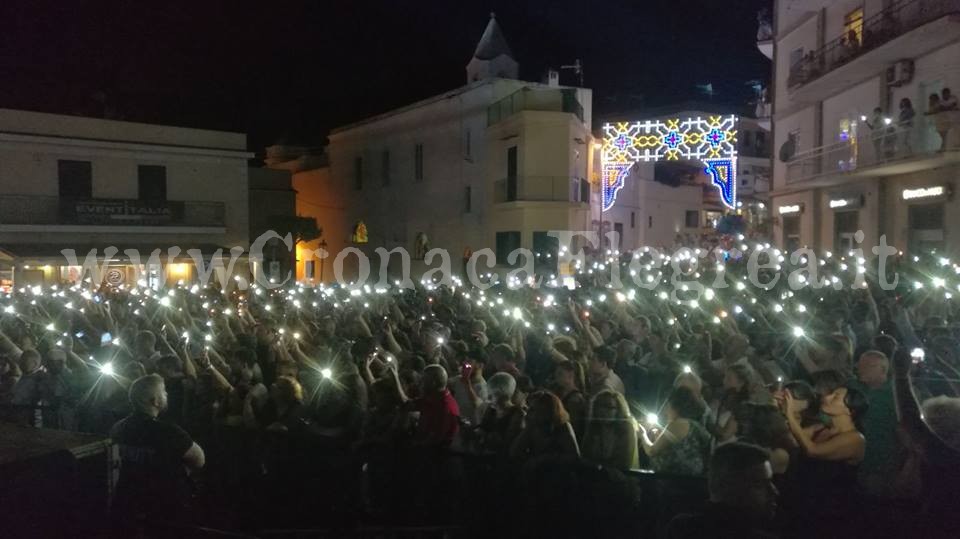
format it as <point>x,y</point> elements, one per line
<point>711,140</point>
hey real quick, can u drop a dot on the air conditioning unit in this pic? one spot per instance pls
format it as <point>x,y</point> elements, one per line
<point>900,73</point>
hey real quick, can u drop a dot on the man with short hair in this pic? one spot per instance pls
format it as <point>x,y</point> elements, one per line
<point>601,371</point>
<point>743,499</point>
<point>879,467</point>
<point>154,458</point>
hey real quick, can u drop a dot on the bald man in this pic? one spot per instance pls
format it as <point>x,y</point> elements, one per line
<point>878,469</point>
<point>154,457</point>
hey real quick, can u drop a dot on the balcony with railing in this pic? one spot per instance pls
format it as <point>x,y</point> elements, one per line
<point>551,100</point>
<point>928,142</point>
<point>881,41</point>
<point>763,111</point>
<point>541,189</point>
<point>51,210</point>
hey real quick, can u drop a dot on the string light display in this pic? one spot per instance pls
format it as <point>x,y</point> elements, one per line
<point>711,140</point>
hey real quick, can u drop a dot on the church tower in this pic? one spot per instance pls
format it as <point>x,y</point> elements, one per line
<point>492,58</point>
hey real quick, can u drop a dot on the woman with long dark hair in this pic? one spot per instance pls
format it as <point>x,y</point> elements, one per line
<point>827,477</point>
<point>842,440</point>
<point>546,430</point>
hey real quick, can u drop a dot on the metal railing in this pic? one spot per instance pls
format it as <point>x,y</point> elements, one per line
<point>925,136</point>
<point>541,188</point>
<point>764,109</point>
<point>51,210</point>
<point>553,100</point>
<point>899,18</point>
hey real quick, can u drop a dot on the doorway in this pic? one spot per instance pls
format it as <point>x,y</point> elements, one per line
<point>845,226</point>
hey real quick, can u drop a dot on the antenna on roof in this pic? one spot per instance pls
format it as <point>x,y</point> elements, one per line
<point>577,68</point>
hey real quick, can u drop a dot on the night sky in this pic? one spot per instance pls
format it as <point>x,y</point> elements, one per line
<point>288,71</point>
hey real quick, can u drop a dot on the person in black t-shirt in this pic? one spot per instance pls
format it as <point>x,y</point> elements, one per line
<point>154,457</point>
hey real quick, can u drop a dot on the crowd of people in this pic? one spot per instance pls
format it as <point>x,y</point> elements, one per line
<point>755,412</point>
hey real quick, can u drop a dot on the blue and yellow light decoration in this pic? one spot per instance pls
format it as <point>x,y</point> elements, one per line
<point>711,140</point>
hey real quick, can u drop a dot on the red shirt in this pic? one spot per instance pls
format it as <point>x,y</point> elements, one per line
<point>439,419</point>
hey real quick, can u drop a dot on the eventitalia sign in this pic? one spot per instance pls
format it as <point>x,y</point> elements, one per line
<point>120,211</point>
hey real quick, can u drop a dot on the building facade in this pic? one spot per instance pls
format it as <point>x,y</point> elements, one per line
<point>860,142</point>
<point>79,183</point>
<point>273,203</point>
<point>317,197</point>
<point>493,164</point>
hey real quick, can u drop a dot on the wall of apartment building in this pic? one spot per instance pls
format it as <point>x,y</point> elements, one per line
<point>272,201</point>
<point>846,107</point>
<point>628,208</point>
<point>836,11</point>
<point>200,165</point>
<point>932,72</point>
<point>551,153</point>
<point>663,213</point>
<point>318,196</point>
<point>809,226</point>
<point>28,122</point>
<point>435,204</point>
<point>896,223</point>
<point>804,123</point>
<point>870,191</point>
<point>791,43</point>
<point>651,213</point>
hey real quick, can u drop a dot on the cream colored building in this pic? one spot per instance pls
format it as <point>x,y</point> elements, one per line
<point>70,182</point>
<point>841,168</point>
<point>495,163</point>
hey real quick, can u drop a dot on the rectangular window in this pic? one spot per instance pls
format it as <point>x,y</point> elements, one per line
<point>309,269</point>
<point>152,182</point>
<point>76,178</point>
<point>467,150</point>
<point>618,229</point>
<point>358,173</point>
<point>692,219</point>
<point>649,221</point>
<point>795,135</point>
<point>633,220</point>
<point>926,227</point>
<point>507,242</point>
<point>796,56</point>
<point>845,224</point>
<point>385,167</point>
<point>467,202</point>
<point>853,27</point>
<point>418,162</point>
<point>747,139</point>
<point>545,253</point>
<point>761,142</point>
